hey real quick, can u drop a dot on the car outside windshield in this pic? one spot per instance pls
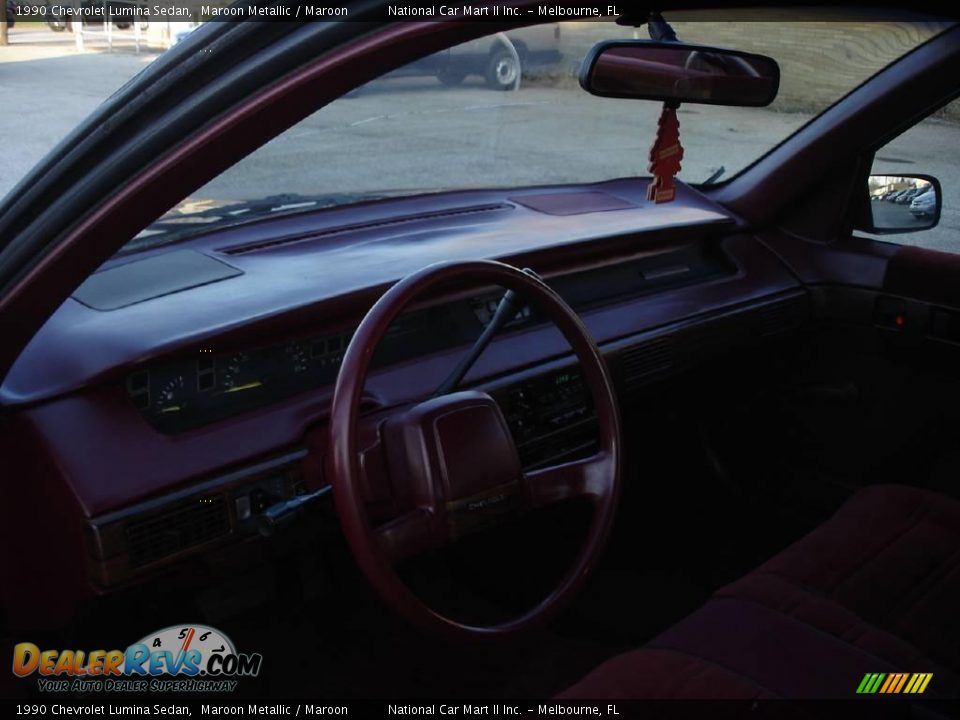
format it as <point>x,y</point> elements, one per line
<point>466,119</point>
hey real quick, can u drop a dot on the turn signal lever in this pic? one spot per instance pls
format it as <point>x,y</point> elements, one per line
<point>510,305</point>
<point>270,520</point>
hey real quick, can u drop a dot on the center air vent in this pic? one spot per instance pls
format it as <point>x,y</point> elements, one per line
<point>171,532</point>
<point>361,226</point>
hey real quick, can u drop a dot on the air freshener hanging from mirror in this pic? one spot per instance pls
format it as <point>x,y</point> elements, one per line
<point>665,156</point>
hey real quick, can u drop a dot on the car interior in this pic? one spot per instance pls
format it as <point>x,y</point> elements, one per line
<point>548,440</point>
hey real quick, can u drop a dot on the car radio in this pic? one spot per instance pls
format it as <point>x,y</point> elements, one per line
<point>551,418</point>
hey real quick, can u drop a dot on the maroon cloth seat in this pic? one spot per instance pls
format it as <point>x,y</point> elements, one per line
<point>874,589</point>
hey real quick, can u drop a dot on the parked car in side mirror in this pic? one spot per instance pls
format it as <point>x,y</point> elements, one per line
<point>901,204</point>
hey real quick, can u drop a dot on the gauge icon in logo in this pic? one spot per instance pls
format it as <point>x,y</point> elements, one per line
<point>188,649</point>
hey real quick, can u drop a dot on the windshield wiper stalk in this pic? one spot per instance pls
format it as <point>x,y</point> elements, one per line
<point>510,304</point>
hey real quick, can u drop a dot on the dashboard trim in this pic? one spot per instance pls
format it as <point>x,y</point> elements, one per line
<point>111,457</point>
<point>278,290</point>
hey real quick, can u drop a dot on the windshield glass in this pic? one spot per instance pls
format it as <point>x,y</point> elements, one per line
<point>507,110</point>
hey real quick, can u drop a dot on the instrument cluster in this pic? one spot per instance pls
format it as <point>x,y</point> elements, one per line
<point>190,392</point>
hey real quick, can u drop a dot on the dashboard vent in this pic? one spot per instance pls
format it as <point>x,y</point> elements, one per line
<point>645,360</point>
<point>357,227</point>
<point>714,338</point>
<point>781,316</point>
<point>171,532</point>
<point>709,339</point>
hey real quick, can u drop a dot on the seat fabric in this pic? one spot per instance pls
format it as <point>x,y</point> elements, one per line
<point>874,589</point>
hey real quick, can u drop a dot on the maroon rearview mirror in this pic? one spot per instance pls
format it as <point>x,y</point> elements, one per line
<point>675,72</point>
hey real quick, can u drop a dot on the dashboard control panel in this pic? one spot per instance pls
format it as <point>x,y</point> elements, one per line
<point>157,532</point>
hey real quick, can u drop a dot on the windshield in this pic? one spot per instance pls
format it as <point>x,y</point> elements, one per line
<point>507,111</point>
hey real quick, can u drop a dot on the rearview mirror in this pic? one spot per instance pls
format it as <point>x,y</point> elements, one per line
<point>902,203</point>
<point>677,72</point>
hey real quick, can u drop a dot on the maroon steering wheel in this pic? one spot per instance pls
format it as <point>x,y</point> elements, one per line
<point>452,461</point>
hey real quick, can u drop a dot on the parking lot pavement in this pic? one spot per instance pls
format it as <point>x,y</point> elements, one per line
<point>47,87</point>
<point>890,214</point>
<point>413,134</point>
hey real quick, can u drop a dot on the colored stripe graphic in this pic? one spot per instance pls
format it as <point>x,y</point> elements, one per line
<point>885,688</point>
<point>910,683</point>
<point>890,684</point>
<point>918,683</point>
<point>870,683</point>
<point>894,683</point>
<point>900,683</point>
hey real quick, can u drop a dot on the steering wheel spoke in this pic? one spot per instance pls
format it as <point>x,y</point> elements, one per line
<point>587,478</point>
<point>411,534</point>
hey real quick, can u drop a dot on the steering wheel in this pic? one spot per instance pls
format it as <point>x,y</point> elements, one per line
<point>452,460</point>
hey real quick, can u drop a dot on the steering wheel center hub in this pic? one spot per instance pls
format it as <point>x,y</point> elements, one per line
<point>454,456</point>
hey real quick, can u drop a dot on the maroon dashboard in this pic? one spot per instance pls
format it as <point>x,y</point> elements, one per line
<point>175,395</point>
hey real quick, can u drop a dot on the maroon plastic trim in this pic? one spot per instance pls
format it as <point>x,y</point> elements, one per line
<point>924,274</point>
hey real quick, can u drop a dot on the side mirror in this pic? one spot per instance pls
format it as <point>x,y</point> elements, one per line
<point>902,204</point>
<point>677,72</point>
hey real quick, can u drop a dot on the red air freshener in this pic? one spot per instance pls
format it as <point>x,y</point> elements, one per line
<point>665,156</point>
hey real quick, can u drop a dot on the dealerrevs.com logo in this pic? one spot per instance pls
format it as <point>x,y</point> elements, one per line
<point>180,658</point>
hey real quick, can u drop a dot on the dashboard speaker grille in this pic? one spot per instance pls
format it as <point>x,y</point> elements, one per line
<point>175,530</point>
